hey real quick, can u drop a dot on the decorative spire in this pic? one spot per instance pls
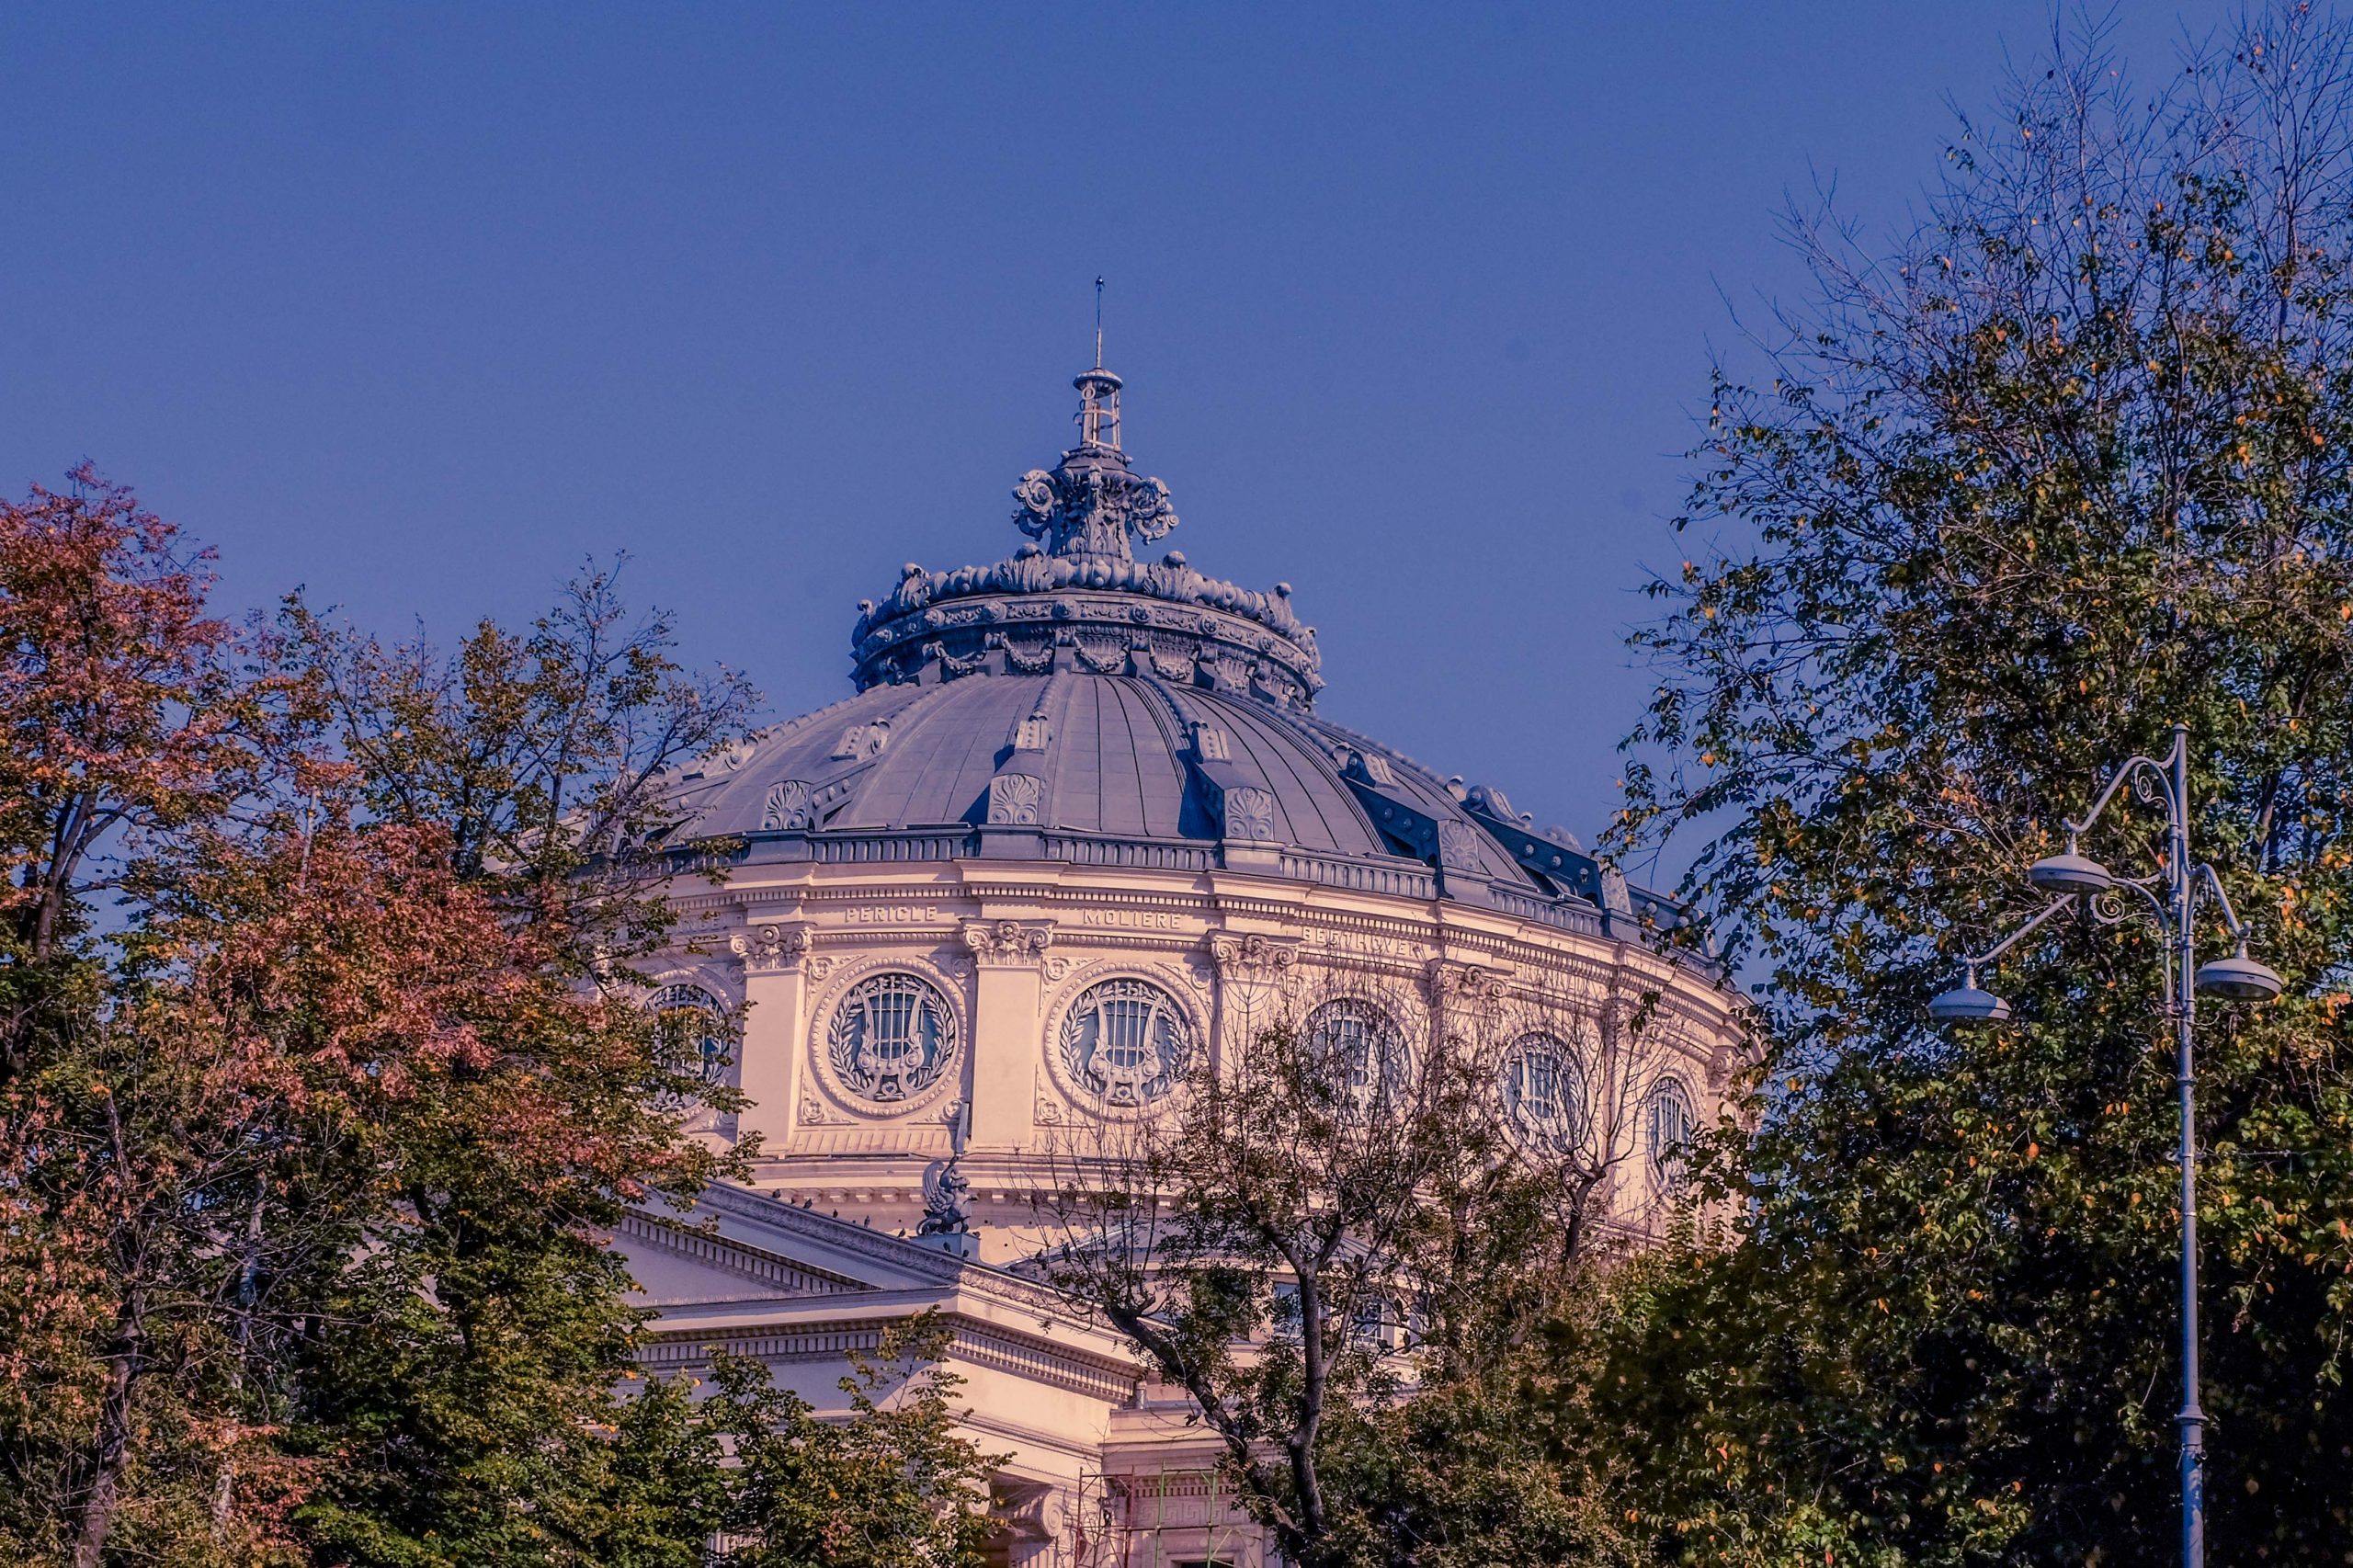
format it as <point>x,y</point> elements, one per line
<point>1091,502</point>
<point>1090,514</point>
<point>1098,394</point>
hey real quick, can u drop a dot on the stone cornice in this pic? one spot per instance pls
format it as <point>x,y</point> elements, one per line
<point>971,1339</point>
<point>902,1256</point>
<point>735,1255</point>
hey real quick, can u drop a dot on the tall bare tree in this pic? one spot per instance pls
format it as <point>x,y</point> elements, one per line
<point>1365,1190</point>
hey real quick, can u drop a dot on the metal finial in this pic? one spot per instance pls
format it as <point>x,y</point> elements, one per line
<point>1099,324</point>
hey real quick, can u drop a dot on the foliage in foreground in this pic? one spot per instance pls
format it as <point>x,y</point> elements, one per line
<point>1337,1245</point>
<point>2070,464</point>
<point>308,1144</point>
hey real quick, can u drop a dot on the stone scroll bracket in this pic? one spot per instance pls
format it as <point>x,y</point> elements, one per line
<point>1255,956</point>
<point>1258,975</point>
<point>1034,1518</point>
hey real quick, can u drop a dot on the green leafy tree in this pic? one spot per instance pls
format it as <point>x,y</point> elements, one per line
<point>2010,495</point>
<point>462,1377</point>
<point>895,1485</point>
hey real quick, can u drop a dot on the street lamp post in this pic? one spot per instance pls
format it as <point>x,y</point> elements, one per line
<point>2172,895</point>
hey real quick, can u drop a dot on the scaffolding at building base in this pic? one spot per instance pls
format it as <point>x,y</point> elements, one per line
<point>1166,1517</point>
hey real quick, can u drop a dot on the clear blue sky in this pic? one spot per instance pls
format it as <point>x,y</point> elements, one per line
<point>419,306</point>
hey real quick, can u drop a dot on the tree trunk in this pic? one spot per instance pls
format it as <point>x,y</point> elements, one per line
<point>224,1489</point>
<point>123,1358</point>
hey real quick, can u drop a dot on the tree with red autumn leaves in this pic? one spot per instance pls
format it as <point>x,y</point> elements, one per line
<point>322,1068</point>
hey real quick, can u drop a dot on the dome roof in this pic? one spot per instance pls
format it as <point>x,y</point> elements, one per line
<point>1074,703</point>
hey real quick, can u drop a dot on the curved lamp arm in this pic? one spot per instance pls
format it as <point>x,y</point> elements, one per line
<point>2116,783</point>
<point>2204,871</point>
<point>2015,937</point>
<point>2157,910</point>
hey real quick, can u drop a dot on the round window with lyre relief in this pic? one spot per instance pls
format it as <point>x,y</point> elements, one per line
<point>1545,1094</point>
<point>1361,1049</point>
<point>1668,1126</point>
<point>1126,1041</point>
<point>891,1037</point>
<point>697,1025</point>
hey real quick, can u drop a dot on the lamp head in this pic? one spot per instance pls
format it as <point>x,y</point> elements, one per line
<point>2070,872</point>
<point>2239,979</point>
<point>1965,1003</point>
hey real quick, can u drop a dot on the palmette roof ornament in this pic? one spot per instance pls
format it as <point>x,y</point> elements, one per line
<point>1080,593</point>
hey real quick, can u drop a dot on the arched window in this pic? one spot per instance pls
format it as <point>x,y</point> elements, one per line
<point>891,1037</point>
<point>1126,1041</point>
<point>1544,1093</point>
<point>1668,1124</point>
<point>1360,1046</point>
<point>701,1023</point>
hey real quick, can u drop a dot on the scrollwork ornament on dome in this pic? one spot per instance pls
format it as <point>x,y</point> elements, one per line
<point>1092,508</point>
<point>789,807</point>
<point>1249,814</point>
<point>1014,800</point>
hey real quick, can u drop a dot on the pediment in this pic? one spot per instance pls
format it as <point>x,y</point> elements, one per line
<point>737,1244</point>
<point>680,1263</point>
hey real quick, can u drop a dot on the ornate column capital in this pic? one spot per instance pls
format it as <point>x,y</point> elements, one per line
<point>1458,985</point>
<point>768,949</point>
<point>1008,941</point>
<point>1034,1517</point>
<point>1254,956</point>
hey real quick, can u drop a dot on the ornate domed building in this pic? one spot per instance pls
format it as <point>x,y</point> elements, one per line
<point>1081,806</point>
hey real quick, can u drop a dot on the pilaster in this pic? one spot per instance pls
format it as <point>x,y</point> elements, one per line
<point>776,990</point>
<point>1009,994</point>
